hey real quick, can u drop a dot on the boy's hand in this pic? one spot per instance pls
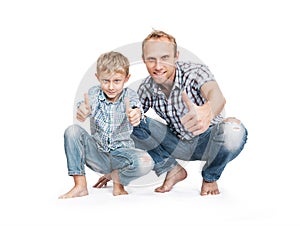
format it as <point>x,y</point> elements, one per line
<point>134,115</point>
<point>84,109</point>
<point>102,182</point>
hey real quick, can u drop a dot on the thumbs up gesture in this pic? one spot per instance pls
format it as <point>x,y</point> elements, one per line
<point>84,109</point>
<point>198,118</point>
<point>133,114</point>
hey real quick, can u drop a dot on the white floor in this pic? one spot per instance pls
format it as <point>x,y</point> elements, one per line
<point>248,197</point>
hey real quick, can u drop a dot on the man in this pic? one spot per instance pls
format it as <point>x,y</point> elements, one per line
<point>187,96</point>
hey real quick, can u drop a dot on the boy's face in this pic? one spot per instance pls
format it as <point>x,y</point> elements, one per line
<point>160,59</point>
<point>112,84</point>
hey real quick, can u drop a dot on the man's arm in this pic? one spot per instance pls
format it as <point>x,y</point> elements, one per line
<point>198,118</point>
<point>212,93</point>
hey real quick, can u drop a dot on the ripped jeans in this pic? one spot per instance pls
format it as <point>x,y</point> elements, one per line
<point>217,146</point>
<point>81,149</point>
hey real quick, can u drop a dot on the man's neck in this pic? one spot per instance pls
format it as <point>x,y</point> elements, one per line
<point>167,87</point>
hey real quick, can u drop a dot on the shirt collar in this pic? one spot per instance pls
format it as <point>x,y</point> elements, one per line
<point>102,96</point>
<point>178,77</point>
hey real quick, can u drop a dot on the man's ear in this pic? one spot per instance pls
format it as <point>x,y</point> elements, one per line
<point>143,58</point>
<point>177,55</point>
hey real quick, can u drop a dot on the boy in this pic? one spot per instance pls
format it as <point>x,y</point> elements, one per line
<point>113,111</point>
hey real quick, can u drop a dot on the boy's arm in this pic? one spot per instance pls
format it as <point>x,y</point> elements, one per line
<point>84,109</point>
<point>134,113</point>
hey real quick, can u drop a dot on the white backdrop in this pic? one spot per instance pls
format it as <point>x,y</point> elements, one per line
<point>252,48</point>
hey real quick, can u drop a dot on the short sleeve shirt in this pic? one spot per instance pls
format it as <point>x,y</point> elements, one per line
<point>108,120</point>
<point>189,77</point>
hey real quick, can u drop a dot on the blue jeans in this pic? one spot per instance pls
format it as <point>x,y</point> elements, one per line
<point>217,146</point>
<point>81,149</point>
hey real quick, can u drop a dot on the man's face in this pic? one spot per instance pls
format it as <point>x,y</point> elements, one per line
<point>160,58</point>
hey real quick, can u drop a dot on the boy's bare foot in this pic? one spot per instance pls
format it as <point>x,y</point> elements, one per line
<point>119,190</point>
<point>209,188</point>
<point>76,191</point>
<point>178,173</point>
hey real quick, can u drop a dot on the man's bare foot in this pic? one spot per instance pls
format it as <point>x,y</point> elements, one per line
<point>76,191</point>
<point>209,188</point>
<point>178,173</point>
<point>119,190</point>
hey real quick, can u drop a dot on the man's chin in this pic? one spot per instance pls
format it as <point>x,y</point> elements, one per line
<point>158,80</point>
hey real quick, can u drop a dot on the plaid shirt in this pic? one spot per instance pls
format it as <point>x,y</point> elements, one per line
<point>189,77</point>
<point>108,120</point>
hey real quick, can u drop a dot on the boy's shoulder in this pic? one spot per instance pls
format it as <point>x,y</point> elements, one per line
<point>94,90</point>
<point>129,91</point>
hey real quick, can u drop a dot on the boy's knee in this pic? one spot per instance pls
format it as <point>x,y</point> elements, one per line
<point>146,163</point>
<point>72,131</point>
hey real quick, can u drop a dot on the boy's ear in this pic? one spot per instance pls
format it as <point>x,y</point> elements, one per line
<point>97,77</point>
<point>127,77</point>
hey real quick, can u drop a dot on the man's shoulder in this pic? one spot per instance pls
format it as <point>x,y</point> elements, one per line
<point>191,70</point>
<point>183,65</point>
<point>148,81</point>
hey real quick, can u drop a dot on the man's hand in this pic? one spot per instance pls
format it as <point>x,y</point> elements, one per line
<point>198,118</point>
<point>102,182</point>
<point>133,114</point>
<point>84,109</point>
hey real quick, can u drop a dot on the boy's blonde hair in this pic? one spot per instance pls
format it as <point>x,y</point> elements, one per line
<point>112,62</point>
<point>156,34</point>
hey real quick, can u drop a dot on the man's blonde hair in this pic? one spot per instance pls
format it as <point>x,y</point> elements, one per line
<point>156,34</point>
<point>112,62</point>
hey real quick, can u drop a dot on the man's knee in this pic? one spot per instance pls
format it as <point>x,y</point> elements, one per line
<point>232,120</point>
<point>235,134</point>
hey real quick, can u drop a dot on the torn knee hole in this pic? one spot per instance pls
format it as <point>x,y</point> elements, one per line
<point>233,120</point>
